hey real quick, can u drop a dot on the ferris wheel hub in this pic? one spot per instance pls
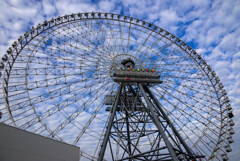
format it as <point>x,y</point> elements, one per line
<point>128,63</point>
<point>129,69</point>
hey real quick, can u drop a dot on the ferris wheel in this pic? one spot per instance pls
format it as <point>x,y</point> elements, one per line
<point>118,87</point>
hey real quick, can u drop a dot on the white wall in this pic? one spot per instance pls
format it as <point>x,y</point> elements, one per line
<point>19,145</point>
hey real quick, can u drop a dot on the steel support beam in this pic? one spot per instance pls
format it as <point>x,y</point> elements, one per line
<point>157,123</point>
<point>109,126</point>
<point>140,154</point>
<point>170,123</point>
<point>127,122</point>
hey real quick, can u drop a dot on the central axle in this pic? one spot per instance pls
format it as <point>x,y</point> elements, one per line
<point>130,73</point>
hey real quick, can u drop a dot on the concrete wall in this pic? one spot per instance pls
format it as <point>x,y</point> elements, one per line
<point>19,145</point>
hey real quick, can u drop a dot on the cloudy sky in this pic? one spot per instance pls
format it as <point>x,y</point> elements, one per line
<point>212,28</point>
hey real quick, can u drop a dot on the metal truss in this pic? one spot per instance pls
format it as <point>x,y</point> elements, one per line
<point>128,127</point>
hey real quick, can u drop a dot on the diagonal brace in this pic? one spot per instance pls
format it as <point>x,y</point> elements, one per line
<point>157,123</point>
<point>110,123</point>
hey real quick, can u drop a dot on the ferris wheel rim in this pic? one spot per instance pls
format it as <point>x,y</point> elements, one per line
<point>29,36</point>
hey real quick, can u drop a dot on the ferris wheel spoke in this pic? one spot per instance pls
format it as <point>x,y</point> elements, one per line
<point>143,44</point>
<point>188,105</point>
<point>164,69</point>
<point>190,88</point>
<point>47,83</point>
<point>53,82</point>
<point>114,41</point>
<point>155,43</point>
<point>183,114</point>
<point>102,33</point>
<point>104,50</point>
<point>121,38</point>
<point>171,63</point>
<point>83,54</point>
<point>55,109</point>
<point>137,45</point>
<point>129,36</point>
<point>193,98</point>
<point>45,59</point>
<point>180,127</point>
<point>100,92</point>
<point>44,97</point>
<point>186,78</point>
<point>161,49</point>
<point>86,92</point>
<point>24,102</point>
<point>99,58</point>
<point>43,82</point>
<point>176,108</point>
<point>85,127</point>
<point>30,122</point>
<point>42,40</point>
<point>73,115</point>
<point>58,49</point>
<point>55,71</point>
<point>86,52</point>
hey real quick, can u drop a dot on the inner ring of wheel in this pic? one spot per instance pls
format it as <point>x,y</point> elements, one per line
<point>118,59</point>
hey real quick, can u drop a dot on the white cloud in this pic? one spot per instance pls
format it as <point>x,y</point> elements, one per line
<point>66,7</point>
<point>106,6</point>
<point>236,65</point>
<point>48,8</point>
<point>169,17</point>
<point>213,28</point>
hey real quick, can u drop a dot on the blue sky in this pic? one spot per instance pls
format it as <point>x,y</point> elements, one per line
<point>212,28</point>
